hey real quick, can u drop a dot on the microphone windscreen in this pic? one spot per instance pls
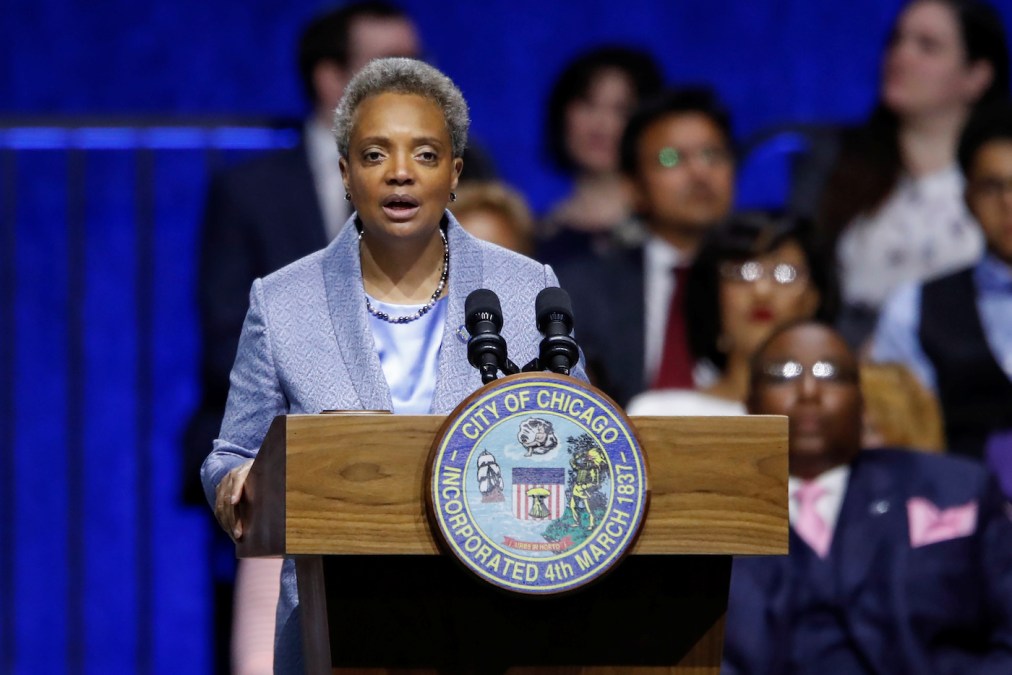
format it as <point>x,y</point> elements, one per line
<point>482,305</point>
<point>552,300</point>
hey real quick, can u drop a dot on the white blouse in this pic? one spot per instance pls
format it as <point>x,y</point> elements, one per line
<point>922,230</point>
<point>409,354</point>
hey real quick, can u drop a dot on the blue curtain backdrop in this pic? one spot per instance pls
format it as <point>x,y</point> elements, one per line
<point>101,570</point>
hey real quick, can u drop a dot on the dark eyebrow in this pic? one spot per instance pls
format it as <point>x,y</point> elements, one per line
<point>385,141</point>
<point>429,140</point>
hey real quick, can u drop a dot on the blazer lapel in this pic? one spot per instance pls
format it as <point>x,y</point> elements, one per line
<point>627,334</point>
<point>871,519</point>
<point>636,318</point>
<point>456,378</point>
<point>342,277</point>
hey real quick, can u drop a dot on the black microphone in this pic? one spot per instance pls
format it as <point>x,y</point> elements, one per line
<point>486,349</point>
<point>554,313</point>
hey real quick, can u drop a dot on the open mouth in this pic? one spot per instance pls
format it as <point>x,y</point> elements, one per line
<point>400,207</point>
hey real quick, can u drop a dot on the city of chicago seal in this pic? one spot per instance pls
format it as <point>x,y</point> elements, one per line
<point>537,484</point>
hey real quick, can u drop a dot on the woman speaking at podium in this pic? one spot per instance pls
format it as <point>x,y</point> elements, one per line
<point>375,320</point>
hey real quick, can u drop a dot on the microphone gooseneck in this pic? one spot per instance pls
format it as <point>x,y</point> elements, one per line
<point>486,348</point>
<point>553,311</point>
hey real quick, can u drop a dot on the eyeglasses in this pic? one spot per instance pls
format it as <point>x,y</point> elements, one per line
<point>670,157</point>
<point>784,372</point>
<point>751,271</point>
<point>991,188</point>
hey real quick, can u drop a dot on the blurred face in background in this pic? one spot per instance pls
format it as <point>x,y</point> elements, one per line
<point>594,122</point>
<point>760,294</point>
<point>925,69</point>
<point>685,174</point>
<point>369,37</point>
<point>494,227</point>
<point>989,195</point>
<point>373,37</point>
<point>809,374</point>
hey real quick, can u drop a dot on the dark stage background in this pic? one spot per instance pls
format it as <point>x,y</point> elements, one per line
<point>112,115</point>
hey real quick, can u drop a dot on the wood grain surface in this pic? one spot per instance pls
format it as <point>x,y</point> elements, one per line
<point>355,484</point>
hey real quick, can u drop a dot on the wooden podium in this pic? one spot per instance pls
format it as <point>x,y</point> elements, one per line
<point>344,495</point>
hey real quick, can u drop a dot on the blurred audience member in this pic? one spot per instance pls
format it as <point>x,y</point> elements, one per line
<point>629,305</point>
<point>271,211</point>
<point>955,332</point>
<point>899,412</point>
<point>280,207</point>
<point>587,111</point>
<point>497,213</point>
<point>753,273</point>
<point>900,562</point>
<point>257,589</point>
<point>894,198</point>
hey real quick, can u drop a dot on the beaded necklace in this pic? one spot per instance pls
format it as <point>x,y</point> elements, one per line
<point>424,309</point>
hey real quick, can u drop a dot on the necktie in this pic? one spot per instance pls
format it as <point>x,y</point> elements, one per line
<point>809,525</point>
<point>676,363</point>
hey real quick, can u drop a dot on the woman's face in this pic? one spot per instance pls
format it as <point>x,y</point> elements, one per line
<point>493,226</point>
<point>400,167</point>
<point>763,293</point>
<point>594,123</point>
<point>925,68</point>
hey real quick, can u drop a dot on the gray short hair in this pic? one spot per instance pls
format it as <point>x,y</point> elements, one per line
<point>403,76</point>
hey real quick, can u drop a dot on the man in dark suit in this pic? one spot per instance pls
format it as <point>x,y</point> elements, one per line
<point>676,153</point>
<point>271,211</point>
<point>900,562</point>
<point>266,213</point>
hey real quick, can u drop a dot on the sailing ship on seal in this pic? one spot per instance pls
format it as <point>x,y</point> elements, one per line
<point>490,482</point>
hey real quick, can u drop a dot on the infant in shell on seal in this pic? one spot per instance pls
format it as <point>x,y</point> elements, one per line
<point>537,436</point>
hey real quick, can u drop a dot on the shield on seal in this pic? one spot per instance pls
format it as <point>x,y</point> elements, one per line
<point>529,487</point>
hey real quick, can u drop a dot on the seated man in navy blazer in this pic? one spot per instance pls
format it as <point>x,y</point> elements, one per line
<point>901,562</point>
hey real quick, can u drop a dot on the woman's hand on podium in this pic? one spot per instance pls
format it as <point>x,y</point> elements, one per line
<point>227,496</point>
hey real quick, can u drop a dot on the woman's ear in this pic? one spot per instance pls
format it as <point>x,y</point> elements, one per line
<point>458,166</point>
<point>343,163</point>
<point>979,76</point>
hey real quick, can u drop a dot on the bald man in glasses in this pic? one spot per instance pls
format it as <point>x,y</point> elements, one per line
<point>900,562</point>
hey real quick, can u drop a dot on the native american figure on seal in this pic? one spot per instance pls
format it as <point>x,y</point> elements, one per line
<point>590,467</point>
<point>537,436</point>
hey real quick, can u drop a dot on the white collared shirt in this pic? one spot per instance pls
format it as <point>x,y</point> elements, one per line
<point>658,284</point>
<point>834,482</point>
<point>321,147</point>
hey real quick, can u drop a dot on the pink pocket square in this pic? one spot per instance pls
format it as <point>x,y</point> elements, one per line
<point>930,525</point>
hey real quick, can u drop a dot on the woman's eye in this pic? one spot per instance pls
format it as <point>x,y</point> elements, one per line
<point>929,45</point>
<point>427,156</point>
<point>372,156</point>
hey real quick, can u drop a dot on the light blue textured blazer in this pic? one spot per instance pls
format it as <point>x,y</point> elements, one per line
<point>306,347</point>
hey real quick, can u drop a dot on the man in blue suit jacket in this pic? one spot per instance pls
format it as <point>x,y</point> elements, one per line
<point>900,562</point>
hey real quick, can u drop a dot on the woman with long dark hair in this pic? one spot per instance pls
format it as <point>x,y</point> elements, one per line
<point>753,273</point>
<point>588,108</point>
<point>894,201</point>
